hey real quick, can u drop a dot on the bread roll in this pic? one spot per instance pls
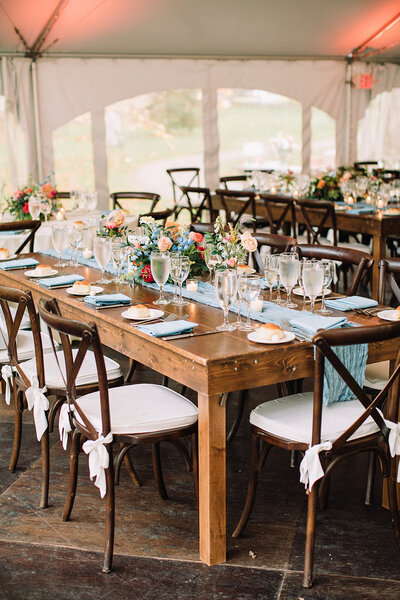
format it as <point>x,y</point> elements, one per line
<point>82,287</point>
<point>43,270</point>
<point>138,311</point>
<point>270,332</point>
<point>4,253</point>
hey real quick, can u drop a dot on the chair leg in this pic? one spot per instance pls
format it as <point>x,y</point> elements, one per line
<point>53,412</point>
<point>252,486</point>
<point>310,536</point>
<point>17,430</point>
<point>44,494</point>
<point>195,466</point>
<point>158,471</point>
<point>369,492</point>
<point>392,494</point>
<point>131,470</point>
<point>131,370</point>
<point>75,447</point>
<point>239,415</point>
<point>183,451</point>
<point>110,515</point>
<point>294,457</point>
<point>324,490</point>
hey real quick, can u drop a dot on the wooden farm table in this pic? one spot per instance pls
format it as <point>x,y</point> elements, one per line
<point>211,365</point>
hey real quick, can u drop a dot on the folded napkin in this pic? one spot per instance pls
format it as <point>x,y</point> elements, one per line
<point>167,328</point>
<point>308,325</point>
<point>361,209</point>
<point>350,303</point>
<point>19,263</point>
<point>105,299</point>
<point>11,232</point>
<point>61,280</point>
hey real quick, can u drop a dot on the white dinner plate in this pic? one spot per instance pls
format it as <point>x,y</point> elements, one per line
<point>33,274</point>
<point>10,257</point>
<point>94,289</point>
<point>248,271</point>
<point>298,292</point>
<point>388,315</point>
<point>154,314</point>
<point>253,337</point>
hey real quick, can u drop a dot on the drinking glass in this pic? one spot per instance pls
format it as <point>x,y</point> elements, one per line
<point>160,268</point>
<point>45,207</point>
<point>289,274</point>
<point>313,280</point>
<point>225,290</point>
<point>174,279</point>
<point>239,323</point>
<point>91,200</point>
<point>82,201</point>
<point>271,266</point>
<point>74,237</point>
<point>249,286</point>
<point>102,253</point>
<point>328,267</point>
<point>211,260</point>
<point>118,255</point>
<point>180,266</point>
<point>301,285</point>
<point>58,236</point>
<point>34,207</point>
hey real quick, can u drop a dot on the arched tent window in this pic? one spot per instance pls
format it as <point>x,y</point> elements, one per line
<point>323,141</point>
<point>148,134</point>
<point>5,170</point>
<point>378,131</point>
<point>258,129</point>
<point>73,155</point>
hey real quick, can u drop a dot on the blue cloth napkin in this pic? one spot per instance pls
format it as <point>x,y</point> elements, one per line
<point>11,232</point>
<point>308,325</point>
<point>350,303</point>
<point>361,209</point>
<point>19,263</point>
<point>61,280</point>
<point>104,299</point>
<point>167,328</point>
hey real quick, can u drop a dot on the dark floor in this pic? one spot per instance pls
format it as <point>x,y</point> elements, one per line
<point>156,541</point>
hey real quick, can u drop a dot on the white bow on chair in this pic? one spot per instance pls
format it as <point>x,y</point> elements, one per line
<point>394,442</point>
<point>64,423</point>
<point>7,373</point>
<point>37,400</point>
<point>98,460</point>
<point>310,467</point>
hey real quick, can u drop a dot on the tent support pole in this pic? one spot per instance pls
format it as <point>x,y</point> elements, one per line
<point>347,122</point>
<point>38,144</point>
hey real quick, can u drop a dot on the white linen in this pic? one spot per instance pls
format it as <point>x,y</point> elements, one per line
<point>394,442</point>
<point>310,467</point>
<point>7,374</point>
<point>64,424</point>
<point>98,460</point>
<point>37,401</point>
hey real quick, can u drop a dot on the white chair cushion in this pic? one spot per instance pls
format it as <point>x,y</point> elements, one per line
<point>86,375</point>
<point>376,375</point>
<point>290,418</point>
<point>140,408</point>
<point>25,321</point>
<point>25,345</point>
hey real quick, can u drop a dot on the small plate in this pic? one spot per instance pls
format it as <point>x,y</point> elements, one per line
<point>388,315</point>
<point>94,289</point>
<point>10,257</point>
<point>298,292</point>
<point>32,274</point>
<point>154,314</point>
<point>289,336</point>
<point>248,271</point>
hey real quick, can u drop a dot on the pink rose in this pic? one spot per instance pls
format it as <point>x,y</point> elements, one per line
<point>231,262</point>
<point>249,243</point>
<point>196,237</point>
<point>164,244</point>
<point>112,225</point>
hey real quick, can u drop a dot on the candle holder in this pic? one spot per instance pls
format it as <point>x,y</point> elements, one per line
<point>192,285</point>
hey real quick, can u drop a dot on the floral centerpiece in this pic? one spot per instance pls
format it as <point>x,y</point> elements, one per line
<point>231,246</point>
<point>326,186</point>
<point>171,237</point>
<point>287,181</point>
<point>18,204</point>
<point>113,224</point>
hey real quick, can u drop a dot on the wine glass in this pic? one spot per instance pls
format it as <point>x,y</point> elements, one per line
<point>239,323</point>
<point>160,268</point>
<point>58,237</point>
<point>180,268</point>
<point>102,253</point>
<point>328,267</point>
<point>74,237</point>
<point>118,255</point>
<point>34,207</point>
<point>271,266</point>
<point>249,286</point>
<point>289,273</point>
<point>313,280</point>
<point>225,290</point>
<point>211,260</point>
<point>301,285</point>
<point>45,207</point>
<point>172,274</point>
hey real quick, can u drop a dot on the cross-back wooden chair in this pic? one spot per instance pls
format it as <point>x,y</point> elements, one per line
<point>274,243</point>
<point>280,212</point>
<point>160,215</point>
<point>301,422</point>
<point>121,417</point>
<point>189,176</point>
<point>37,370</point>
<point>318,215</point>
<point>31,226</point>
<point>230,182</point>
<point>237,205</point>
<point>198,201</point>
<point>149,197</point>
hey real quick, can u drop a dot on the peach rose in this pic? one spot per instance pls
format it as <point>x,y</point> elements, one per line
<point>47,190</point>
<point>249,243</point>
<point>231,262</point>
<point>196,237</point>
<point>164,244</point>
<point>320,184</point>
<point>173,229</point>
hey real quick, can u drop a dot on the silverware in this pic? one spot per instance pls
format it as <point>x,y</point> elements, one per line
<point>181,336</point>
<point>168,318</point>
<point>117,305</point>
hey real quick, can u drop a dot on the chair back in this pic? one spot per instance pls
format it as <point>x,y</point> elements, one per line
<point>153,198</point>
<point>189,176</point>
<point>161,215</point>
<point>324,343</point>
<point>24,302</point>
<point>31,226</point>
<point>202,227</point>
<point>230,182</point>
<point>349,256</point>
<point>237,204</point>
<point>389,272</point>
<point>273,241</point>
<point>198,200</point>
<point>280,212</point>
<point>88,337</point>
<point>387,175</point>
<point>317,216</point>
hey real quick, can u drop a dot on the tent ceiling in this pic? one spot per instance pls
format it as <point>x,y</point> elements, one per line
<point>218,28</point>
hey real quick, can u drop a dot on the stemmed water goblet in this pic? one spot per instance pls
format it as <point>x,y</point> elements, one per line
<point>249,286</point>
<point>313,280</point>
<point>180,268</point>
<point>58,237</point>
<point>74,237</point>
<point>225,290</point>
<point>172,274</point>
<point>160,267</point>
<point>211,260</point>
<point>34,207</point>
<point>301,285</point>
<point>45,207</point>
<point>328,268</point>
<point>239,323</point>
<point>288,274</point>
<point>118,254</point>
<point>102,253</point>
<point>271,266</point>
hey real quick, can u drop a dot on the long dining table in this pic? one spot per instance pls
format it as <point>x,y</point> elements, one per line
<point>211,365</point>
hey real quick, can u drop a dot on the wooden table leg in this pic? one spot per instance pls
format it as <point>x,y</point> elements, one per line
<point>378,252</point>
<point>212,482</point>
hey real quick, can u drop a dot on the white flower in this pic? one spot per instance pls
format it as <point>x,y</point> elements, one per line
<point>146,220</point>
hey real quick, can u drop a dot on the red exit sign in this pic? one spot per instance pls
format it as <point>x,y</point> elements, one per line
<point>364,81</point>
